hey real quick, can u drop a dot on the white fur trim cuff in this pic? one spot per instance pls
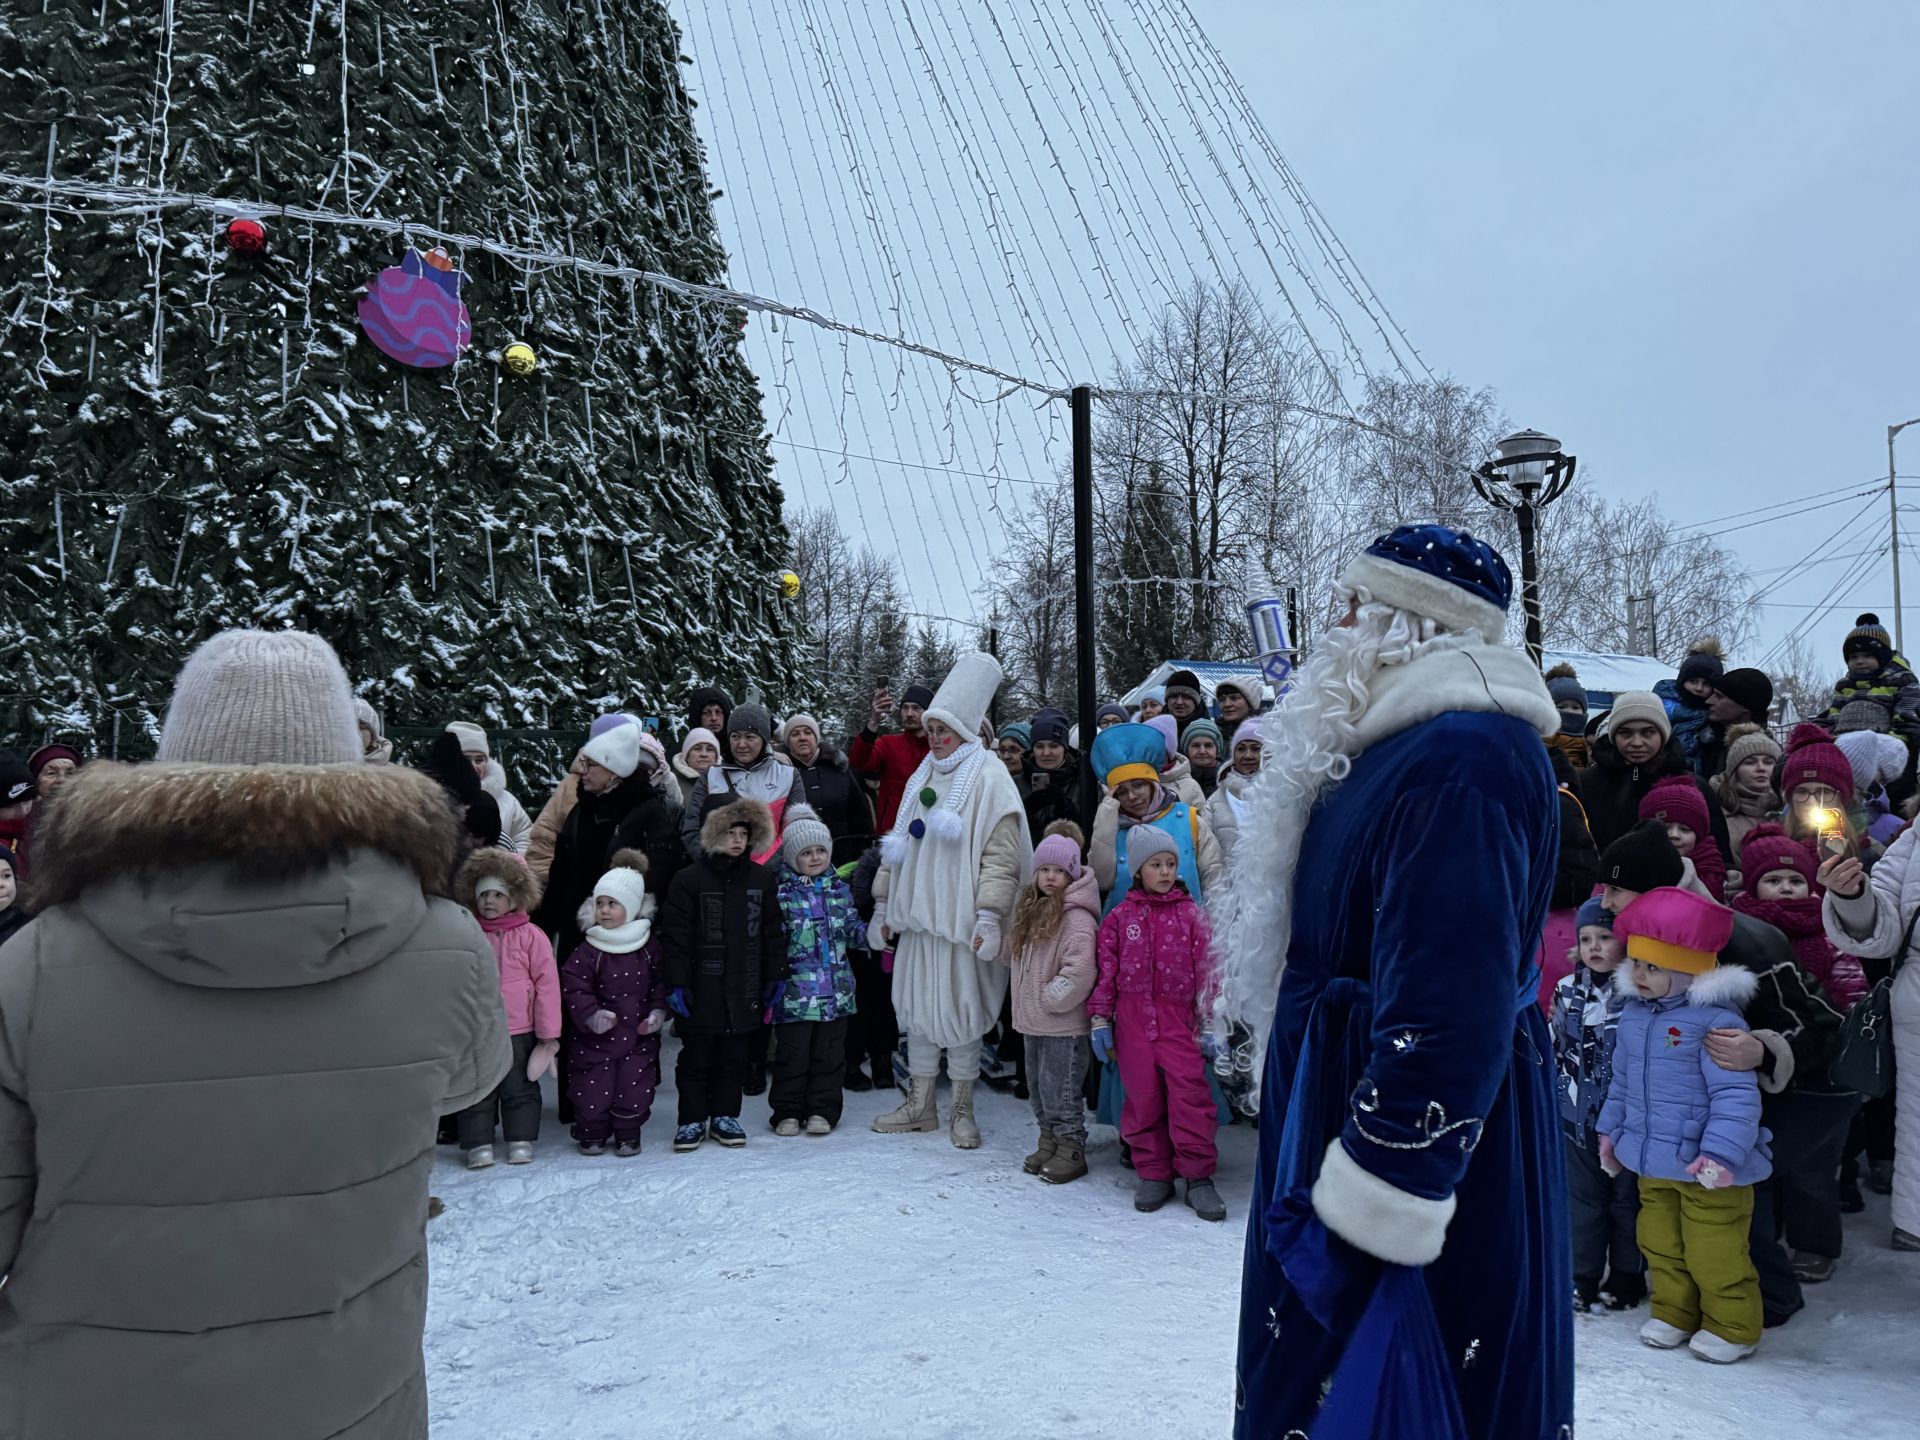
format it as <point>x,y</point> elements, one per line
<point>1775,1079</point>
<point>1441,601</point>
<point>1385,1221</point>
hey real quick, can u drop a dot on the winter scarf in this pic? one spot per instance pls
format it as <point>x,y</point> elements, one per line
<point>935,876</point>
<point>942,823</point>
<point>621,939</point>
<point>1800,921</point>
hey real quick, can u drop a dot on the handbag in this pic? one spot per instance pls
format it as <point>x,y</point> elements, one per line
<point>1864,1060</point>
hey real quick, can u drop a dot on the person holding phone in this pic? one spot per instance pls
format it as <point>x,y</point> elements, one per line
<point>890,760</point>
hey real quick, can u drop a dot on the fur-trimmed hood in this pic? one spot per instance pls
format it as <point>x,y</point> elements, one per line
<point>757,818</point>
<point>1728,987</point>
<point>523,891</point>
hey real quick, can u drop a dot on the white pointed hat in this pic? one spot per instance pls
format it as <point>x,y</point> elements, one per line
<point>963,697</point>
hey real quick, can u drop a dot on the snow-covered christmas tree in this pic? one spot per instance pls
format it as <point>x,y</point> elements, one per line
<point>503,483</point>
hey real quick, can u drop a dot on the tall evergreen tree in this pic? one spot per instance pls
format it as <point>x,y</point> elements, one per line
<point>198,438</point>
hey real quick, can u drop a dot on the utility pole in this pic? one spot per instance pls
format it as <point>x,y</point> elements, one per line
<point>1893,526</point>
<point>1082,410</point>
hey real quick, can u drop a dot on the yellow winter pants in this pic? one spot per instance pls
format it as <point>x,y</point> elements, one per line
<point>1698,1265</point>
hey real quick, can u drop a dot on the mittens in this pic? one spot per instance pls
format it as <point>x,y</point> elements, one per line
<point>986,934</point>
<point>541,1060</point>
<point>1608,1163</point>
<point>1102,1039</point>
<point>770,1000</point>
<point>1711,1173</point>
<point>654,1022</point>
<point>677,1001</point>
<point>601,1021</point>
<point>877,931</point>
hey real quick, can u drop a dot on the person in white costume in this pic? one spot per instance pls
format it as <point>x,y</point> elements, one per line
<point>950,871</point>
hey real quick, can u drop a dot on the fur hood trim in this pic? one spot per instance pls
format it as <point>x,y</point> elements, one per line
<point>265,823</point>
<point>523,891</point>
<point>1728,987</point>
<point>756,817</point>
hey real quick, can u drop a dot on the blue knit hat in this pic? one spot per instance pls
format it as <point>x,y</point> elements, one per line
<point>1456,581</point>
<point>1594,912</point>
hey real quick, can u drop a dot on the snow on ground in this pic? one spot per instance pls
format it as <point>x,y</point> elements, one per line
<point>893,1286</point>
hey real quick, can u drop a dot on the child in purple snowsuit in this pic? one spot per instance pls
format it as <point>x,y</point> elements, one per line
<point>615,996</point>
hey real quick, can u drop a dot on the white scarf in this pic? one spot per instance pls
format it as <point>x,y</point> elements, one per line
<point>964,763</point>
<point>621,939</point>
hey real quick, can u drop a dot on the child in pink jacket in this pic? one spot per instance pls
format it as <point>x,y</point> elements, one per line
<point>497,886</point>
<point>1155,987</point>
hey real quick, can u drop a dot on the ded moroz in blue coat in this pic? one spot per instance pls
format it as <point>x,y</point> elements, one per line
<point>1407,1267</point>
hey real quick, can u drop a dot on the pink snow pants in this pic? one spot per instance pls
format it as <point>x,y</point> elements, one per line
<point>1168,1117</point>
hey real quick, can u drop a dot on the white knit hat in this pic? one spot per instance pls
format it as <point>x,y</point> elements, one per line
<point>801,721</point>
<point>369,717</point>
<point>627,886</point>
<point>262,697</point>
<point>617,749</point>
<point>961,702</point>
<point>471,736</point>
<point>699,735</point>
<point>1876,759</point>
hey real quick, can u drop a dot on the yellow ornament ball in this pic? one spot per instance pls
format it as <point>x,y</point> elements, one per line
<point>789,585</point>
<point>519,359</point>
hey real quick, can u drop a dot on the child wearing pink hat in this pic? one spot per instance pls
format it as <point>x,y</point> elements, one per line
<point>1783,889</point>
<point>1677,803</point>
<point>1687,1127</point>
<point>1053,951</point>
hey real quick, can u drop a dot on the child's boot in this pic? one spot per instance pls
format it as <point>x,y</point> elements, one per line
<point>1586,1294</point>
<point>689,1136</point>
<point>787,1127</point>
<point>480,1157</point>
<point>818,1125</point>
<point>1042,1153</point>
<point>1624,1290</point>
<point>1662,1336</point>
<point>964,1134</point>
<point>1709,1346</point>
<point>519,1152</point>
<point>627,1149</point>
<point>917,1112</point>
<point>727,1130</point>
<point>1205,1201</point>
<point>1068,1162</point>
<point>1150,1195</point>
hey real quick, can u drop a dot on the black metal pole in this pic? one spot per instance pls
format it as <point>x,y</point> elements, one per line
<point>1523,516</point>
<point>1084,652</point>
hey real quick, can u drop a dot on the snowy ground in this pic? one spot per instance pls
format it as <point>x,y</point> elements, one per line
<point>893,1286</point>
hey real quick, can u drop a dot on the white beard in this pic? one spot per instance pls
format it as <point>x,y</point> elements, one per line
<point>1307,749</point>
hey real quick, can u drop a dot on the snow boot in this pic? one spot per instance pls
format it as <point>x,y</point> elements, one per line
<point>1880,1177</point>
<point>818,1125</point>
<point>688,1137</point>
<point>916,1113</point>
<point>1709,1346</point>
<point>1205,1201</point>
<point>1811,1269</point>
<point>1904,1240</point>
<point>1150,1195</point>
<point>1852,1202</point>
<point>627,1149</point>
<point>963,1132</point>
<point>519,1152</point>
<point>593,1147</point>
<point>1624,1290</point>
<point>1042,1153</point>
<point>787,1128</point>
<point>480,1157</point>
<point>857,1081</point>
<point>1586,1294</point>
<point>726,1129</point>
<point>1662,1336</point>
<point>1068,1163</point>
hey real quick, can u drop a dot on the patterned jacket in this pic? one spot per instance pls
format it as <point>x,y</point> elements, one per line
<point>822,924</point>
<point>1586,1016</point>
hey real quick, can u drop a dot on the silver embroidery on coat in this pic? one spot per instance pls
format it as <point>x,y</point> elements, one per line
<point>1434,1125</point>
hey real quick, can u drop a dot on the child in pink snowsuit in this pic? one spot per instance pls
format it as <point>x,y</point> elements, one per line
<point>1155,986</point>
<point>497,886</point>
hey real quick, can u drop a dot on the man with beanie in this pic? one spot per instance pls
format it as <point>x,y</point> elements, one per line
<point>225,1044</point>
<point>833,791</point>
<point>1743,697</point>
<point>516,826</point>
<point>1407,806</point>
<point>890,760</point>
<point>951,869</point>
<point>1634,752</point>
<point>1185,703</point>
<point>1876,675</point>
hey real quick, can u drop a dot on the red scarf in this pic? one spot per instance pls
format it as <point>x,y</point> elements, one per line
<point>1799,920</point>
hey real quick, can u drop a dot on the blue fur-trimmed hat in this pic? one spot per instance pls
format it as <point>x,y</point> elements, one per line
<point>1456,581</point>
<point>1128,752</point>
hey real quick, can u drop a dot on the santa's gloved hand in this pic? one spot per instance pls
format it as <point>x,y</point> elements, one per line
<point>541,1060</point>
<point>986,934</point>
<point>1608,1161</point>
<point>1711,1173</point>
<point>601,1021</point>
<point>877,937</point>
<point>677,1002</point>
<point>656,1020</point>
<point>1102,1039</point>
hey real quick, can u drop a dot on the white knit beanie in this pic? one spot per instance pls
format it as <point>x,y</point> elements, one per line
<point>802,721</point>
<point>1876,759</point>
<point>471,736</point>
<point>262,697</point>
<point>618,749</point>
<point>627,886</point>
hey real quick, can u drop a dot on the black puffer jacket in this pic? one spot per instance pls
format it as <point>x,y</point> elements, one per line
<point>653,828</point>
<point>1611,790</point>
<point>1579,868</point>
<point>1790,1003</point>
<point>580,855</point>
<point>841,802</point>
<point>1053,795</point>
<point>721,936</point>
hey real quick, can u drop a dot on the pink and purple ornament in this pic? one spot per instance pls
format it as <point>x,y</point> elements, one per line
<point>413,312</point>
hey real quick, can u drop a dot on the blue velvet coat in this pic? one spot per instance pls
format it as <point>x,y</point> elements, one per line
<point>1406,1030</point>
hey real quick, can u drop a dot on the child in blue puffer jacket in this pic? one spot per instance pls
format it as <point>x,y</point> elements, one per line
<point>1687,1127</point>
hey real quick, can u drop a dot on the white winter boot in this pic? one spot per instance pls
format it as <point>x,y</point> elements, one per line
<point>916,1113</point>
<point>965,1134</point>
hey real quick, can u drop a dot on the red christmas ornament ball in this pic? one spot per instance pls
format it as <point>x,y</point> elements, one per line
<point>246,237</point>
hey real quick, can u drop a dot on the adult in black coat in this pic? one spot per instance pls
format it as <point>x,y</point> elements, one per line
<point>587,841</point>
<point>479,811</point>
<point>701,705</point>
<point>1630,756</point>
<point>833,790</point>
<point>1579,868</point>
<point>1050,789</point>
<point>653,828</point>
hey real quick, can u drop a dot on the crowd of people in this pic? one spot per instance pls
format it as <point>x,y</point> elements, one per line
<point>806,919</point>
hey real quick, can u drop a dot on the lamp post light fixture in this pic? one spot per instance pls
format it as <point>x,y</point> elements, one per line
<point>1527,473</point>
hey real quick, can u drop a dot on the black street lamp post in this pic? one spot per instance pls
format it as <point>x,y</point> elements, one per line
<point>1528,472</point>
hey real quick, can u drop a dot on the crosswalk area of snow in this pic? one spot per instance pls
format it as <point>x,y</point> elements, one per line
<point>892,1286</point>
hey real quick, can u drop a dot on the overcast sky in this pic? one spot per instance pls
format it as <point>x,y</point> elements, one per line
<point>1684,238</point>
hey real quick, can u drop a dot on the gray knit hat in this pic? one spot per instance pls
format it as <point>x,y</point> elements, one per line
<point>1746,741</point>
<point>1640,705</point>
<point>1146,841</point>
<point>1862,715</point>
<point>751,720</point>
<point>804,830</point>
<point>262,697</point>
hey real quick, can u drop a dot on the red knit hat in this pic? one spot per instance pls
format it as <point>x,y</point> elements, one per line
<point>1813,759</point>
<point>1768,847</point>
<point>1676,800</point>
<point>1676,930</point>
